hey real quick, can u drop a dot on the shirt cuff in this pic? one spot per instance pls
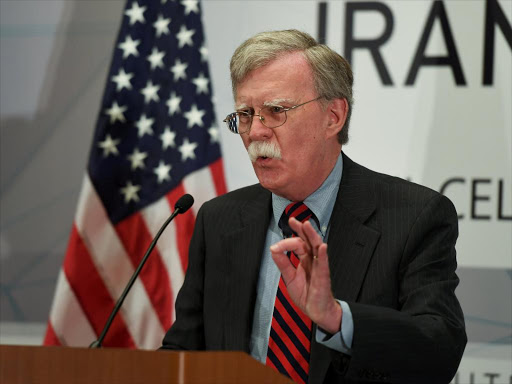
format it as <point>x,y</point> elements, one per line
<point>340,341</point>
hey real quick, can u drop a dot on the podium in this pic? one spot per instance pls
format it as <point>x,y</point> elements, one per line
<point>22,364</point>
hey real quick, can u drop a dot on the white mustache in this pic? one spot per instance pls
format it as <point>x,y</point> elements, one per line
<point>263,149</point>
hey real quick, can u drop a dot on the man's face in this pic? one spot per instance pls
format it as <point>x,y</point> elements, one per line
<point>305,145</point>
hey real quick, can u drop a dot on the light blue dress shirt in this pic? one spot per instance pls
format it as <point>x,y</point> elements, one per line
<point>321,202</point>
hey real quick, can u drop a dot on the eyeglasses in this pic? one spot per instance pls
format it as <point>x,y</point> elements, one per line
<point>271,116</point>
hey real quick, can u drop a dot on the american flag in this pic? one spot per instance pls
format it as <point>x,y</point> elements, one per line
<point>156,138</point>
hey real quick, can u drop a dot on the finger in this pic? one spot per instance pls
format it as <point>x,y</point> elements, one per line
<point>320,274</point>
<point>312,237</point>
<point>307,233</point>
<point>305,258</point>
<point>285,266</point>
<point>298,227</point>
<point>292,244</point>
<point>278,251</point>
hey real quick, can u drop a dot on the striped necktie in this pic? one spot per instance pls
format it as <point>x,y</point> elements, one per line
<point>289,344</point>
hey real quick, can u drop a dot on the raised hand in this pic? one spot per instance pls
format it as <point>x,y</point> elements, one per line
<point>309,285</point>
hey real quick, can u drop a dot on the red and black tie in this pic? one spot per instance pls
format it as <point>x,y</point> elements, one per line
<point>289,344</point>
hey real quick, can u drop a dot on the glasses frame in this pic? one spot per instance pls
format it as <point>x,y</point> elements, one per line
<point>229,118</point>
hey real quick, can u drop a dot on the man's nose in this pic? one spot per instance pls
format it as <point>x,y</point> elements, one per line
<point>258,131</point>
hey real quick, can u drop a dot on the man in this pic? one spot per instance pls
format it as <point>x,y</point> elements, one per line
<point>364,284</point>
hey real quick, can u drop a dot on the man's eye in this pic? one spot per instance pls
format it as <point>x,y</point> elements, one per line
<point>245,112</point>
<point>276,109</point>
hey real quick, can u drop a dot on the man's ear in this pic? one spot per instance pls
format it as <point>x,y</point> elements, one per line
<point>337,113</point>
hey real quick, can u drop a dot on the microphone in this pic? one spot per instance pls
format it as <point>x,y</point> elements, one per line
<point>181,206</point>
<point>183,203</point>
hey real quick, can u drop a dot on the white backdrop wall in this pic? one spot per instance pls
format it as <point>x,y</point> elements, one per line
<point>447,129</point>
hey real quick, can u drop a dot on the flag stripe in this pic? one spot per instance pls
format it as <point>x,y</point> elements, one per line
<point>91,292</point>
<point>136,239</point>
<point>74,329</point>
<point>115,267</point>
<point>201,185</point>
<point>50,337</point>
<point>154,215</point>
<point>217,169</point>
<point>181,226</point>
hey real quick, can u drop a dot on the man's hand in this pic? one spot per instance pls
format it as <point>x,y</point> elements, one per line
<point>309,285</point>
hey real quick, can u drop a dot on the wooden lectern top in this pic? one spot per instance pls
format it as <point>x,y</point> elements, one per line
<point>22,364</point>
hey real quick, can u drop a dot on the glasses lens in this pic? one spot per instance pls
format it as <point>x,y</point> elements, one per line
<point>244,121</point>
<point>231,121</point>
<point>273,116</point>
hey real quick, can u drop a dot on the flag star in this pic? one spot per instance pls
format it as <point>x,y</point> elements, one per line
<point>122,80</point>
<point>214,134</point>
<point>204,53</point>
<point>137,159</point>
<point>187,150</point>
<point>161,26</point>
<point>135,13</point>
<point>174,103</point>
<point>129,47</point>
<point>109,146</point>
<point>190,6</point>
<point>144,125</point>
<point>201,84</point>
<point>130,192</point>
<point>116,113</point>
<point>162,172</point>
<point>168,138</point>
<point>185,36</point>
<point>194,116</point>
<point>178,69</point>
<point>150,92</point>
<point>156,58</point>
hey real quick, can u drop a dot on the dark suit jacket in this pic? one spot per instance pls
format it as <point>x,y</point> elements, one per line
<point>391,256</point>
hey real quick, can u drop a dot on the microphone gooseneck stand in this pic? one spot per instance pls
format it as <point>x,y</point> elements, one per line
<point>181,206</point>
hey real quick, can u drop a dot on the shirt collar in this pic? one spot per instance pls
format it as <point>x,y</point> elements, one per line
<point>321,202</point>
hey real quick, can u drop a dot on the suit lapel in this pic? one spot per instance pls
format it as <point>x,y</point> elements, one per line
<point>243,251</point>
<point>351,243</point>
